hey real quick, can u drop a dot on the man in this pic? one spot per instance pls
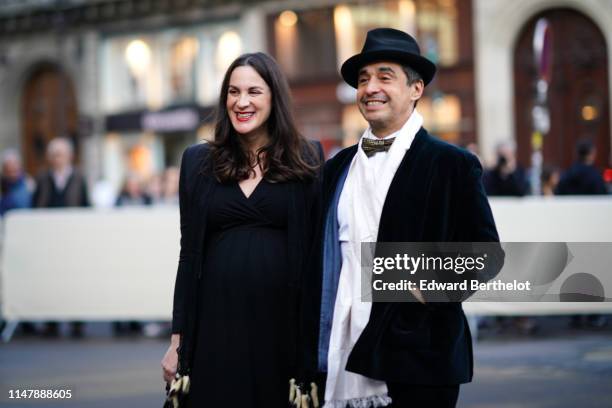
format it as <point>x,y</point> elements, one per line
<point>14,193</point>
<point>61,186</point>
<point>583,178</point>
<point>507,178</point>
<point>398,184</point>
<point>14,183</point>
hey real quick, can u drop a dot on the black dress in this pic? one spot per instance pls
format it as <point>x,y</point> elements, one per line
<point>241,357</point>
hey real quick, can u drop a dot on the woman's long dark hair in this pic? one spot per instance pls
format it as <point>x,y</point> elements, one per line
<point>287,155</point>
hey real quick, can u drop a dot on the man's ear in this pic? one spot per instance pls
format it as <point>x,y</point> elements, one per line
<point>417,88</point>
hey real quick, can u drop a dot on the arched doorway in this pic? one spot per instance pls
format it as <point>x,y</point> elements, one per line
<point>578,93</point>
<point>48,110</point>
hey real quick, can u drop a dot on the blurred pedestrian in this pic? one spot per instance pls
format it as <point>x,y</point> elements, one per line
<point>163,188</point>
<point>132,193</point>
<point>155,188</point>
<point>506,178</point>
<point>549,180</point>
<point>16,193</point>
<point>62,185</point>
<point>246,201</point>
<point>171,185</point>
<point>583,178</point>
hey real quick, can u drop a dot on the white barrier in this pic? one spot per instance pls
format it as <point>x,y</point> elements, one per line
<point>90,265</point>
<point>121,264</point>
<point>549,219</point>
<point>554,219</point>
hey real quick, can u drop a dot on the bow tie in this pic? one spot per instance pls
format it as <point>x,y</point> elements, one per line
<point>371,146</point>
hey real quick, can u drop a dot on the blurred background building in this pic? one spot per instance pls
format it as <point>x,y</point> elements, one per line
<point>133,82</point>
<point>525,84</point>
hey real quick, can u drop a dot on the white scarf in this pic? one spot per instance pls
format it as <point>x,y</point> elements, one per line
<point>366,192</point>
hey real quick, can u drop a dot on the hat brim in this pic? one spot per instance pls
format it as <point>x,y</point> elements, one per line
<point>350,68</point>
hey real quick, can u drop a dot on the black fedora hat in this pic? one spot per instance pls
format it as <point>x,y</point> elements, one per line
<point>388,44</point>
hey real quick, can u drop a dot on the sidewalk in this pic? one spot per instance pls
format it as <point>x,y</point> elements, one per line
<point>555,368</point>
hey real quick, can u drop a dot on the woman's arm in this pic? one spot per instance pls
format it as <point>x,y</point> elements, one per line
<point>181,283</point>
<point>170,359</point>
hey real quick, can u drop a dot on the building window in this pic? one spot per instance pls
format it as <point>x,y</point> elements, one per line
<point>437,29</point>
<point>433,22</point>
<point>168,67</point>
<point>156,86</point>
<point>129,69</point>
<point>306,50</point>
<point>304,43</point>
<point>442,115</point>
<point>183,53</point>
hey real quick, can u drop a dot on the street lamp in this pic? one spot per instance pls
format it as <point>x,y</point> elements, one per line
<point>229,48</point>
<point>138,58</point>
<point>288,18</point>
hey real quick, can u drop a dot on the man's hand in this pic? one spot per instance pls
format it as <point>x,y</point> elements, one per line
<point>170,361</point>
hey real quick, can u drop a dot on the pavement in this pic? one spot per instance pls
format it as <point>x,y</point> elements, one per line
<point>555,367</point>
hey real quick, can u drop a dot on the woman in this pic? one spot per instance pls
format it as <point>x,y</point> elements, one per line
<point>248,202</point>
<point>132,193</point>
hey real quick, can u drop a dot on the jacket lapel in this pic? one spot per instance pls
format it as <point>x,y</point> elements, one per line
<point>402,195</point>
<point>398,222</point>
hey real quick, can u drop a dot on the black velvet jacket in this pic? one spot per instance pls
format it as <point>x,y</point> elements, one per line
<point>195,189</point>
<point>435,196</point>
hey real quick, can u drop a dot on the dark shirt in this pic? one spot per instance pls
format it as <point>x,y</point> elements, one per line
<point>581,179</point>
<point>47,195</point>
<point>514,184</point>
<point>57,197</point>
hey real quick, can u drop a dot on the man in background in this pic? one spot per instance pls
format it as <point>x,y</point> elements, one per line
<point>61,186</point>
<point>507,178</point>
<point>16,193</point>
<point>582,178</point>
<point>14,183</point>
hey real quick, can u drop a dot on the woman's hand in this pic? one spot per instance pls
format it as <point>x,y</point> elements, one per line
<point>170,361</point>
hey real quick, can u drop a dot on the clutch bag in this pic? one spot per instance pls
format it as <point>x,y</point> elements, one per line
<point>300,397</point>
<point>176,393</point>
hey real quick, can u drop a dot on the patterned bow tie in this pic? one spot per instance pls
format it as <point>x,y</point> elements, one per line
<point>371,146</point>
